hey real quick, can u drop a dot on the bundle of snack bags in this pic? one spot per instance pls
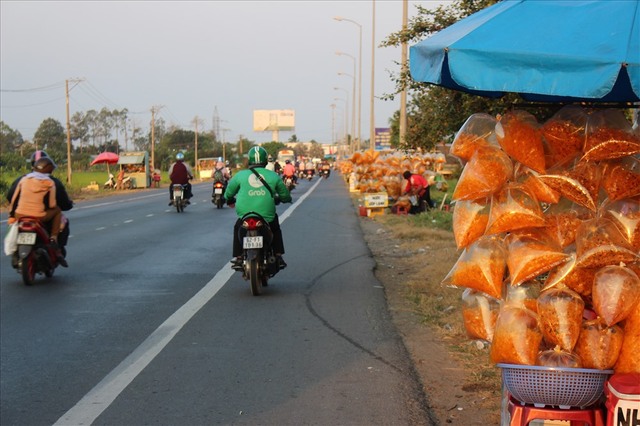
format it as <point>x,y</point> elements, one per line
<point>547,216</point>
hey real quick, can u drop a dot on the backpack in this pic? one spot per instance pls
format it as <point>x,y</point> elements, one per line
<point>218,176</point>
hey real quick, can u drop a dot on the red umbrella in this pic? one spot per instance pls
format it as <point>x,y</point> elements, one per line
<point>106,158</point>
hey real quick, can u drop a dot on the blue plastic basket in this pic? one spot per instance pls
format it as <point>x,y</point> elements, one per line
<point>554,386</point>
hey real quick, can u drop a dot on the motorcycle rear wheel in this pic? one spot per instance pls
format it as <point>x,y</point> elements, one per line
<point>178,202</point>
<point>28,269</point>
<point>219,202</point>
<point>255,277</point>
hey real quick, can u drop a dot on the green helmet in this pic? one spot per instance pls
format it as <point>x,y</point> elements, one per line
<point>257,156</point>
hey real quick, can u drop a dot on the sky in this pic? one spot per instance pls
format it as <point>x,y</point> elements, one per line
<point>214,60</point>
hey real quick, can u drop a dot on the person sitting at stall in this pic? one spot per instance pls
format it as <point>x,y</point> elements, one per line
<point>418,186</point>
<point>180,173</point>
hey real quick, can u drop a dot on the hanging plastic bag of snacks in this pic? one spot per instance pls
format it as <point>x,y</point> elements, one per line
<point>616,293</point>
<point>589,174</point>
<point>628,359</point>
<point>514,208</point>
<point>531,254</point>
<point>622,178</point>
<point>479,314</point>
<point>570,188</point>
<point>626,214</point>
<point>481,266</point>
<point>477,132</point>
<point>486,172</point>
<point>599,344</point>
<point>599,242</point>
<point>560,316</point>
<point>517,337</point>
<point>525,294</point>
<point>559,358</point>
<point>568,274</point>
<point>530,181</point>
<point>564,135</point>
<point>470,218</point>
<point>518,133</point>
<point>609,136</point>
<point>563,220</point>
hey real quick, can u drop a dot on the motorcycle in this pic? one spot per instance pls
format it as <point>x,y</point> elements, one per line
<point>288,182</point>
<point>325,173</point>
<point>259,262</point>
<point>127,183</point>
<point>179,200</point>
<point>35,254</point>
<point>217,197</point>
<point>110,183</point>
<point>309,174</point>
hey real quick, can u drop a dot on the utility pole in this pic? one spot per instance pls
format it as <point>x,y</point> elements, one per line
<point>403,73</point>
<point>154,109</point>
<point>224,145</point>
<point>66,86</point>
<point>195,121</point>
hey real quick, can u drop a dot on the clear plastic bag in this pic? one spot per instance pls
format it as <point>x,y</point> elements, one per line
<point>531,254</point>
<point>525,294</point>
<point>563,220</point>
<point>626,215</point>
<point>477,132</point>
<point>616,293</point>
<point>530,181</point>
<point>568,274</point>
<point>518,133</point>
<point>609,136</point>
<point>486,172</point>
<point>470,218</point>
<point>599,242</point>
<point>589,174</point>
<point>479,313</point>
<point>599,345</point>
<point>560,316</point>
<point>514,208</point>
<point>558,357</point>
<point>569,188</point>
<point>481,267</point>
<point>564,135</point>
<point>517,338</point>
<point>622,179</point>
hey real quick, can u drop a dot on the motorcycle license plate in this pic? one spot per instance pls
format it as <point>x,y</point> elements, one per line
<point>252,242</point>
<point>177,193</point>
<point>218,191</point>
<point>26,238</point>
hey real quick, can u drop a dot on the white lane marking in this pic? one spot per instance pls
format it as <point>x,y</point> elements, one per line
<point>128,221</point>
<point>98,399</point>
<point>150,215</point>
<point>102,228</point>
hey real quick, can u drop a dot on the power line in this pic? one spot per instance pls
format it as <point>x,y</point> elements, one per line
<point>35,89</point>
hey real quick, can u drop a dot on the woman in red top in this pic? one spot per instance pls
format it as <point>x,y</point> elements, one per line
<point>417,185</point>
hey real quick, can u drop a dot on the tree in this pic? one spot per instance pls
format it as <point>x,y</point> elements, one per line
<point>316,150</point>
<point>52,137</point>
<point>273,148</point>
<point>434,113</point>
<point>10,139</point>
<point>293,138</point>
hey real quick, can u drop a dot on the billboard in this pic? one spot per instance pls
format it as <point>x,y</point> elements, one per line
<point>382,138</point>
<point>266,120</point>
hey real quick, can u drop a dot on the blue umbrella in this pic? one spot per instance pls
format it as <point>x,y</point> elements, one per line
<point>545,50</point>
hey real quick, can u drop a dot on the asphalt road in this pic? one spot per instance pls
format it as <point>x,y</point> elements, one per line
<point>149,325</point>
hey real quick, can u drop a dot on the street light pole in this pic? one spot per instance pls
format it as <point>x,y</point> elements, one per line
<point>338,18</point>
<point>346,112</point>
<point>353,107</point>
<point>372,129</point>
<point>403,65</point>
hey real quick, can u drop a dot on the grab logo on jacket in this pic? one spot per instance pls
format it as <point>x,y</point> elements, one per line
<point>255,182</point>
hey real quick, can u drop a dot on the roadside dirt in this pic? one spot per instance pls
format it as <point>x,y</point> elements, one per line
<point>450,366</point>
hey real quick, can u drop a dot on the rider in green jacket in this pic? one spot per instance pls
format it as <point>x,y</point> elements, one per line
<point>248,194</point>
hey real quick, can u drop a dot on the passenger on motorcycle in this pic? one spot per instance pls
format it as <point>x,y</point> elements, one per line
<point>35,196</point>
<point>289,171</point>
<point>62,199</point>
<point>220,173</point>
<point>248,194</point>
<point>180,173</point>
<point>270,164</point>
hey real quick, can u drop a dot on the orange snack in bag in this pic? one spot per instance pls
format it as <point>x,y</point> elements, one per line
<point>616,292</point>
<point>481,266</point>
<point>514,208</point>
<point>607,143</point>
<point>564,141</point>
<point>560,316</point>
<point>517,338</point>
<point>626,215</point>
<point>622,179</point>
<point>589,174</point>
<point>531,255</point>
<point>563,226</point>
<point>475,133</point>
<point>466,144</point>
<point>568,274</point>
<point>470,218</point>
<point>479,313</point>
<point>628,359</point>
<point>487,171</point>
<point>599,242</point>
<point>570,188</point>
<point>539,189</point>
<point>599,345</point>
<point>519,135</point>
<point>525,294</point>
<point>558,357</point>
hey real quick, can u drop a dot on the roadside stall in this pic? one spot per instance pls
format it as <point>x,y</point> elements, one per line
<point>547,214</point>
<point>136,166</point>
<point>206,166</point>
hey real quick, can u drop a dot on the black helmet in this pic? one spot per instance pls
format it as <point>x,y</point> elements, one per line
<point>44,165</point>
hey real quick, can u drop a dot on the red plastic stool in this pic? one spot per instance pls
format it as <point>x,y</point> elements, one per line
<point>521,415</point>
<point>402,210</point>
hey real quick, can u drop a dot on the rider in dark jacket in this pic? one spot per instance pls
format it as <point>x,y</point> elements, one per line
<point>180,173</point>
